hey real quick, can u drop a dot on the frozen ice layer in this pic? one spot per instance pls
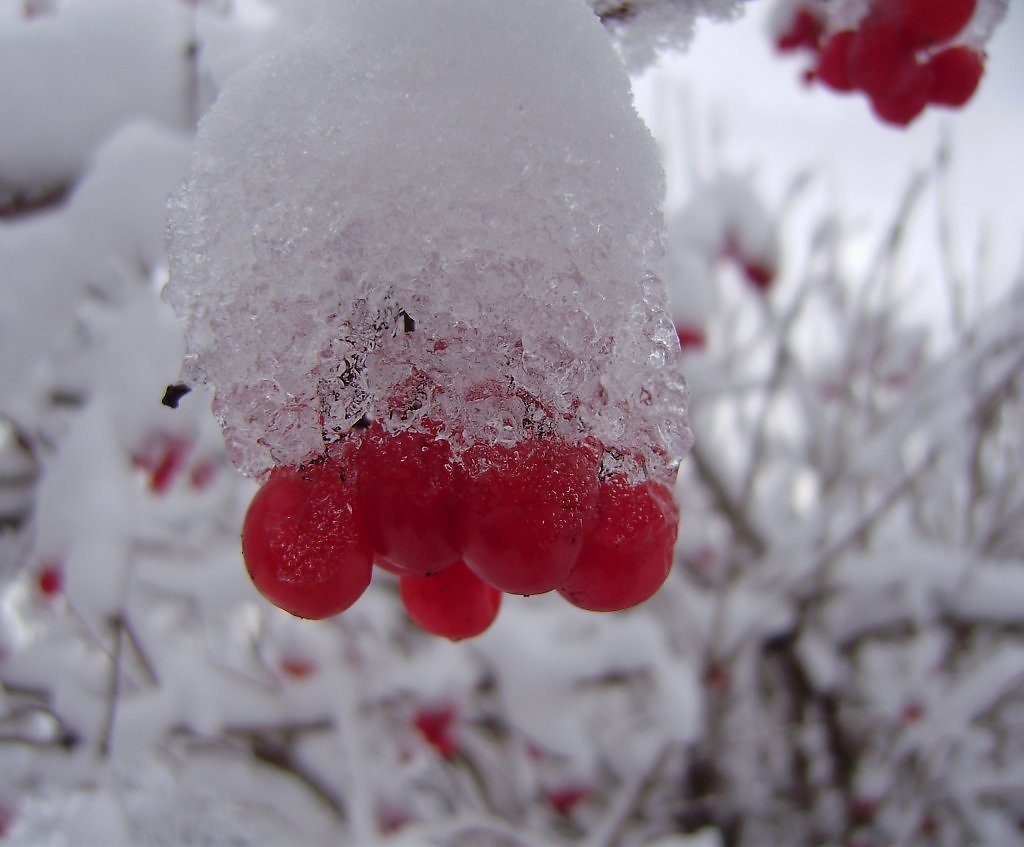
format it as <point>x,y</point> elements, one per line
<point>443,215</point>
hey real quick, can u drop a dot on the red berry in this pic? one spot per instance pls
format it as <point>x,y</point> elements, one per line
<point>690,337</point>
<point>392,819</point>
<point>408,499</point>
<point>296,667</point>
<point>454,603</point>
<point>526,510</point>
<point>564,800</point>
<point>863,809</point>
<point>163,457</point>
<point>834,61</point>
<point>51,580</point>
<point>913,713</point>
<point>718,679</point>
<point>804,31</point>
<point>202,474</point>
<point>956,72</point>
<point>934,21</point>
<point>435,725</point>
<point>168,466</point>
<point>303,547</point>
<point>906,98</point>
<point>628,554</point>
<point>880,56</point>
<point>758,274</point>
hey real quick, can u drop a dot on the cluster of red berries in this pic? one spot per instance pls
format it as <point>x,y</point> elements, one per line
<point>526,519</point>
<point>899,55</point>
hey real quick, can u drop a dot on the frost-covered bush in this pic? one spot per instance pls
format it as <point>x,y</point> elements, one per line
<point>835,658</point>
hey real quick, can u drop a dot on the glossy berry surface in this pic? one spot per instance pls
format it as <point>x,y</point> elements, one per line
<point>302,544</point>
<point>408,499</point>
<point>526,510</point>
<point>628,554</point>
<point>454,603</point>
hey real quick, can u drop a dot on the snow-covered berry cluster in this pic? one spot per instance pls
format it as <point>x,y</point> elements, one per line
<point>365,237</point>
<point>535,517</point>
<point>904,55</point>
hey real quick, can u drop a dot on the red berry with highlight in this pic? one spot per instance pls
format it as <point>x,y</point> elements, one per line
<point>628,554</point>
<point>454,603</point>
<point>526,511</point>
<point>303,547</point>
<point>408,498</point>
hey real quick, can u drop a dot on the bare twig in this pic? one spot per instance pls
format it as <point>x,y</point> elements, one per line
<point>859,529</point>
<point>481,825</point>
<point>629,802</point>
<point>273,746</point>
<point>114,688</point>
<point>140,652</point>
<point>16,204</point>
<point>746,534</point>
<point>951,276</point>
<point>272,752</point>
<point>781,363</point>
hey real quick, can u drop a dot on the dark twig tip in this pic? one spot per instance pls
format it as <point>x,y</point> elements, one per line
<point>174,393</point>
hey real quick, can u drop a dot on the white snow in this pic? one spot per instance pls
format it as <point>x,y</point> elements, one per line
<point>911,631</point>
<point>493,182</point>
<point>98,249</point>
<point>80,75</point>
<point>645,29</point>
